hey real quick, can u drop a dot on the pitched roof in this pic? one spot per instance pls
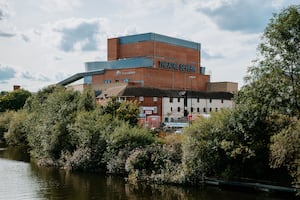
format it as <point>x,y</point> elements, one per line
<point>155,92</point>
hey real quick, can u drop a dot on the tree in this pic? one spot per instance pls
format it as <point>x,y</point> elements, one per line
<point>14,100</point>
<point>277,73</point>
<point>126,110</point>
<point>285,150</point>
<point>266,106</point>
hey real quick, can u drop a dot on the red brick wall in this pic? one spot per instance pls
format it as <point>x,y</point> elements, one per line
<point>157,50</point>
<point>113,49</point>
<point>158,78</point>
<point>139,49</point>
<point>148,101</point>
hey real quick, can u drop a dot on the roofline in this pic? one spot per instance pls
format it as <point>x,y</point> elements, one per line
<point>158,38</point>
<point>78,76</point>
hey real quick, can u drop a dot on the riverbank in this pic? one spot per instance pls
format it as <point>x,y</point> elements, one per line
<point>35,182</point>
<point>251,186</point>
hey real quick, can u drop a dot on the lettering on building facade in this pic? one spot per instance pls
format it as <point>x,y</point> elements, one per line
<point>176,66</point>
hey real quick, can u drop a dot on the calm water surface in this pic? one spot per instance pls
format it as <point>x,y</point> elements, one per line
<point>20,179</point>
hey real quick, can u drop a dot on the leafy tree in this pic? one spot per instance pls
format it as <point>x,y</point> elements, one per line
<point>121,142</point>
<point>203,151</point>
<point>285,150</point>
<point>86,101</point>
<point>5,119</point>
<point>16,133</point>
<point>127,111</point>
<point>265,106</point>
<point>276,77</point>
<point>90,133</point>
<point>14,100</point>
<point>48,135</point>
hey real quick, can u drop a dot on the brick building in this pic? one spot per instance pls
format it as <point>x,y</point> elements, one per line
<point>157,66</point>
<point>151,60</point>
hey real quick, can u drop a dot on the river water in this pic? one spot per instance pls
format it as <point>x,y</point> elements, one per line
<point>20,179</point>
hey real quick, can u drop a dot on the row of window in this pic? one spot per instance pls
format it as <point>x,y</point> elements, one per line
<point>126,80</point>
<point>198,109</point>
<point>198,100</point>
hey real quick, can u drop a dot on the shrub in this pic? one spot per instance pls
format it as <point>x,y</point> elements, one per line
<point>158,163</point>
<point>89,133</point>
<point>121,142</point>
<point>16,134</point>
<point>5,119</point>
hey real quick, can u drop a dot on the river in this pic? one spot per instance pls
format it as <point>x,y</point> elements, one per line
<point>20,179</point>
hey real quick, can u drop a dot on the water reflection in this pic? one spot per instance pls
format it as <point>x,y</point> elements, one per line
<point>24,180</point>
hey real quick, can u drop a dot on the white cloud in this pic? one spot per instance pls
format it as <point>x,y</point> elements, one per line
<point>7,29</point>
<point>239,15</point>
<point>80,34</point>
<point>59,5</point>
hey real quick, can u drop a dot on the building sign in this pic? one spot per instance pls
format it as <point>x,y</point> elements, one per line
<point>176,66</point>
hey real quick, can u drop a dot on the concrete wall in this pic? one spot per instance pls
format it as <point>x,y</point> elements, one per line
<point>222,87</point>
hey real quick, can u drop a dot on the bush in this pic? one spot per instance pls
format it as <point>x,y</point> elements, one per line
<point>5,119</point>
<point>285,150</point>
<point>90,132</point>
<point>16,134</point>
<point>46,126</point>
<point>202,149</point>
<point>158,163</point>
<point>121,142</point>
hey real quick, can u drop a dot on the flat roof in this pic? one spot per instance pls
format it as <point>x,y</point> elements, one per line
<point>159,38</point>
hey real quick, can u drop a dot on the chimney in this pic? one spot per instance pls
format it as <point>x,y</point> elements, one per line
<point>17,87</point>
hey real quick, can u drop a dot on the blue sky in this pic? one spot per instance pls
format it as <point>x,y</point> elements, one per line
<point>42,42</point>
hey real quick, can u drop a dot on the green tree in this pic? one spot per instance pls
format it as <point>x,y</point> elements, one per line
<point>126,110</point>
<point>14,100</point>
<point>285,150</point>
<point>203,147</point>
<point>277,73</point>
<point>47,123</point>
<point>16,133</point>
<point>5,119</point>
<point>265,106</point>
<point>90,133</point>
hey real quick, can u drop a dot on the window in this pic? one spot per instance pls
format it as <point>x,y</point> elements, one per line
<point>171,109</point>
<point>222,100</point>
<point>210,100</point>
<point>141,98</point>
<point>198,100</point>
<point>155,99</point>
<point>117,81</point>
<point>210,109</point>
<point>107,81</point>
<point>178,109</point>
<point>216,109</point>
<point>126,80</point>
<point>171,99</point>
<point>204,110</point>
<point>155,110</point>
<point>166,119</point>
<point>198,109</point>
<point>178,99</point>
<point>172,119</point>
<point>192,109</point>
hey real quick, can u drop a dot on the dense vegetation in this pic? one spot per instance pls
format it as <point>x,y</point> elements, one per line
<point>257,138</point>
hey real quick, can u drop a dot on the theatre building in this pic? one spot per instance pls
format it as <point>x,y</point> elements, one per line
<point>150,66</point>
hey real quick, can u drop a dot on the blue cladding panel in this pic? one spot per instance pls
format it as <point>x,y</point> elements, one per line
<point>159,38</point>
<point>87,79</point>
<point>119,64</point>
<point>202,70</point>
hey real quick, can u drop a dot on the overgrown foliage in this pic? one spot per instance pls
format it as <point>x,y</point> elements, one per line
<point>14,100</point>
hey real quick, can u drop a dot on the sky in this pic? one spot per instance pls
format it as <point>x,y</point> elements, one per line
<point>43,42</point>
